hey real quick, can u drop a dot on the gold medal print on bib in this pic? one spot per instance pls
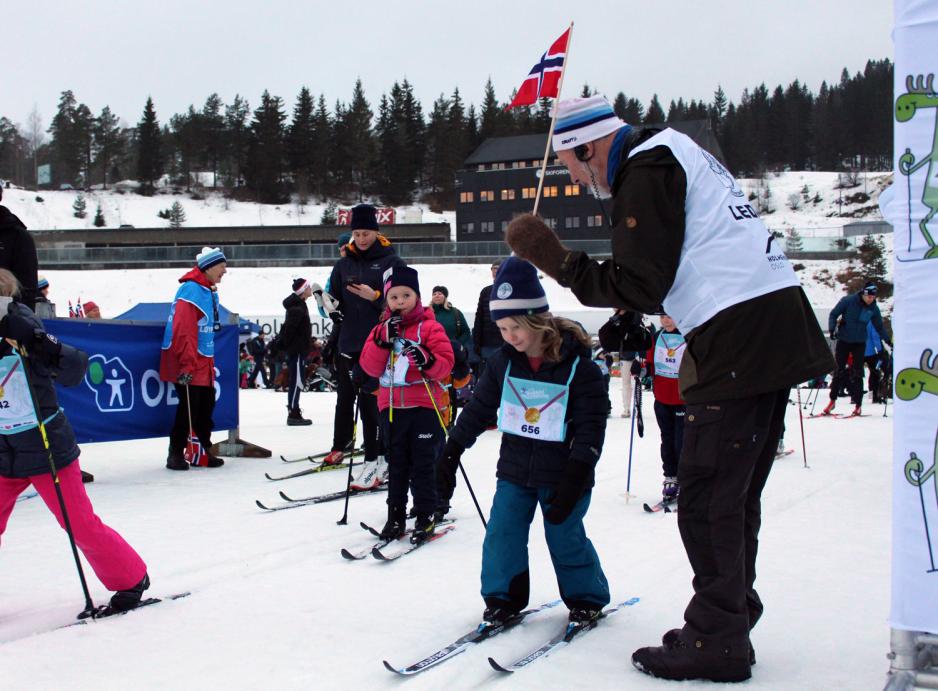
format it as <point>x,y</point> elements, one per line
<point>532,415</point>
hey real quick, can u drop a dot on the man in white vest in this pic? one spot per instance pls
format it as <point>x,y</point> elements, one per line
<point>686,242</point>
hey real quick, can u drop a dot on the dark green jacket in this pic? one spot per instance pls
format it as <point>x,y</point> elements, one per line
<point>455,324</point>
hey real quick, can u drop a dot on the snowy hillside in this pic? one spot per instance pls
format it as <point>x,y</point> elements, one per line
<point>273,604</point>
<point>55,211</point>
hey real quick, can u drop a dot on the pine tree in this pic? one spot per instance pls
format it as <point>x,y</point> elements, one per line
<point>108,142</point>
<point>237,136</point>
<point>322,141</point>
<point>177,216</point>
<point>266,150</point>
<point>718,110</point>
<point>300,143</point>
<point>99,218</point>
<point>212,142</point>
<point>186,140</point>
<point>66,142</point>
<point>793,242</point>
<point>872,259</point>
<point>490,116</point>
<point>330,215</point>
<point>79,206</point>
<point>149,149</point>
<point>355,146</point>
<point>655,113</point>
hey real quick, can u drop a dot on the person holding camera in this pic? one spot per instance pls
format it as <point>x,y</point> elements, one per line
<point>357,285</point>
<point>683,237</point>
<point>625,333</point>
<point>187,359</point>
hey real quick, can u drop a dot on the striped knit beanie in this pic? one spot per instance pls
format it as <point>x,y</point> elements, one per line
<point>582,120</point>
<point>209,257</point>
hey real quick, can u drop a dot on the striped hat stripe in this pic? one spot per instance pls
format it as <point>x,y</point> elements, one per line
<point>582,121</point>
<point>518,304</point>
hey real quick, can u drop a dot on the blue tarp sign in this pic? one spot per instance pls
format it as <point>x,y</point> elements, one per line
<point>122,396</point>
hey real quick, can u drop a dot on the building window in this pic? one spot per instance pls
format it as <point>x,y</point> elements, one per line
<point>550,191</point>
<point>571,222</point>
<point>487,196</point>
<point>571,190</point>
<point>504,226</point>
<point>508,195</point>
<point>487,226</point>
<point>594,221</point>
<point>519,164</point>
<point>528,192</point>
<point>468,227</point>
<point>466,197</point>
<point>498,166</point>
<point>550,222</point>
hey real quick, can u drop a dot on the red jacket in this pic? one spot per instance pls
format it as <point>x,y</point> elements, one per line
<point>374,360</point>
<point>666,389</point>
<point>183,354</point>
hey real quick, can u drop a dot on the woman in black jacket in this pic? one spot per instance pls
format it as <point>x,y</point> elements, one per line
<point>551,405</point>
<point>24,460</point>
<point>295,337</point>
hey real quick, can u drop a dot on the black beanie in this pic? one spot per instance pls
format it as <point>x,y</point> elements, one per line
<point>404,276</point>
<point>440,289</point>
<point>364,217</point>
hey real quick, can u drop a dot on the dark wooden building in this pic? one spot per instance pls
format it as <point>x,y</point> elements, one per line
<point>499,181</point>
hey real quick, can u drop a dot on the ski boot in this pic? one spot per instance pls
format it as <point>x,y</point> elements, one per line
<point>295,418</point>
<point>829,408</point>
<point>857,411</point>
<point>584,615</point>
<point>670,638</point>
<point>369,478</point>
<point>498,615</point>
<point>333,458</point>
<point>124,600</point>
<point>423,528</point>
<point>669,490</point>
<point>396,525</point>
<point>213,461</point>
<point>383,471</point>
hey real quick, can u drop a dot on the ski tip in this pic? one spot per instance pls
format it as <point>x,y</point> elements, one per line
<point>376,553</point>
<point>284,496</point>
<point>267,475</point>
<point>283,458</point>
<point>261,506</point>
<point>648,508</point>
<point>348,555</point>
<point>388,666</point>
<point>667,509</point>
<point>498,668</point>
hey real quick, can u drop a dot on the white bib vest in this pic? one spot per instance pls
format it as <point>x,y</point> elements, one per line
<point>669,349</point>
<point>728,256</point>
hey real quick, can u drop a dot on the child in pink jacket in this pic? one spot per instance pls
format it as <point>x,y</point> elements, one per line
<point>409,352</point>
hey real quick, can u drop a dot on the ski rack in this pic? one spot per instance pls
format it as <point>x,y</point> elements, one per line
<point>913,661</point>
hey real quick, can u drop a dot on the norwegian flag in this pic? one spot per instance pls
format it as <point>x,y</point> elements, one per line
<point>79,310</point>
<point>543,79</point>
<point>195,453</point>
<point>71,310</point>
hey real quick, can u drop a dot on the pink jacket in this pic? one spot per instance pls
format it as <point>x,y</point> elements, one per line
<point>374,360</point>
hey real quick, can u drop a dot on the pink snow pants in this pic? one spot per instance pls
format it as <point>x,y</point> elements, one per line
<point>115,563</point>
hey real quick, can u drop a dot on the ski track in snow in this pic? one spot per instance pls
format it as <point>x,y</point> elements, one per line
<point>273,602</point>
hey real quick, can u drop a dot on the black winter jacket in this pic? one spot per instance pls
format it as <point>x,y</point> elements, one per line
<point>18,255</point>
<point>359,315</point>
<point>485,332</point>
<point>530,462</point>
<point>23,454</point>
<point>297,328</point>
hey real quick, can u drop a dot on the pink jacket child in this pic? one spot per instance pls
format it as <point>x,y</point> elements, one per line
<point>409,352</point>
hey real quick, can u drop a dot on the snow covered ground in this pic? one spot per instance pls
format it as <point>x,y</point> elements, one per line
<point>273,605</point>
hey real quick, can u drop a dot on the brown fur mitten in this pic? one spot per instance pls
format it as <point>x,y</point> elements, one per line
<point>531,239</point>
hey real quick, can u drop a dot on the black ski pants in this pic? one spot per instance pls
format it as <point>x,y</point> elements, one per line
<point>852,377</point>
<point>729,447</point>
<point>876,376</point>
<point>202,400</point>
<point>345,410</point>
<point>671,423</point>
<point>295,363</point>
<point>414,440</point>
<point>259,369</point>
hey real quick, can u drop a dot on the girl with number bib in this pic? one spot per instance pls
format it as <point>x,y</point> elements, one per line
<point>409,352</point>
<point>551,406</point>
<point>24,457</point>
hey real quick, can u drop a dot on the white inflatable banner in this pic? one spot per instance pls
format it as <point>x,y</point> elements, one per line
<point>911,206</point>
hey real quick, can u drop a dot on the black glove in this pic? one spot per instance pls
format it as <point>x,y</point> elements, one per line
<point>336,317</point>
<point>419,357</point>
<point>833,334</point>
<point>568,492</point>
<point>638,368</point>
<point>358,376</point>
<point>393,326</point>
<point>446,466</point>
<point>20,329</point>
<point>184,379</point>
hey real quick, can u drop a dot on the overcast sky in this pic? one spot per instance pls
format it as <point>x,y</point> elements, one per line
<point>117,53</point>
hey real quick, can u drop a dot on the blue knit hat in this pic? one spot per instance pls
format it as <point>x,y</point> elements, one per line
<point>43,283</point>
<point>364,217</point>
<point>344,239</point>
<point>517,290</point>
<point>209,257</point>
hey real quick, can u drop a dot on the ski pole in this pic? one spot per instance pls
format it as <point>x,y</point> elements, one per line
<point>348,482</point>
<point>628,481</point>
<point>89,610</point>
<point>804,449</point>
<point>465,477</point>
<point>189,445</point>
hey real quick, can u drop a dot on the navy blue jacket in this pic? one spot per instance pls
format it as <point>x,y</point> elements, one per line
<point>856,315</point>
<point>359,315</point>
<point>23,454</point>
<point>531,462</point>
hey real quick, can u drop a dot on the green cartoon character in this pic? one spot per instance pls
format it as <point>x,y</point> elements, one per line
<point>921,95</point>
<point>910,384</point>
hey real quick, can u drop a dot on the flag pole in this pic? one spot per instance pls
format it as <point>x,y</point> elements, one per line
<point>553,120</point>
